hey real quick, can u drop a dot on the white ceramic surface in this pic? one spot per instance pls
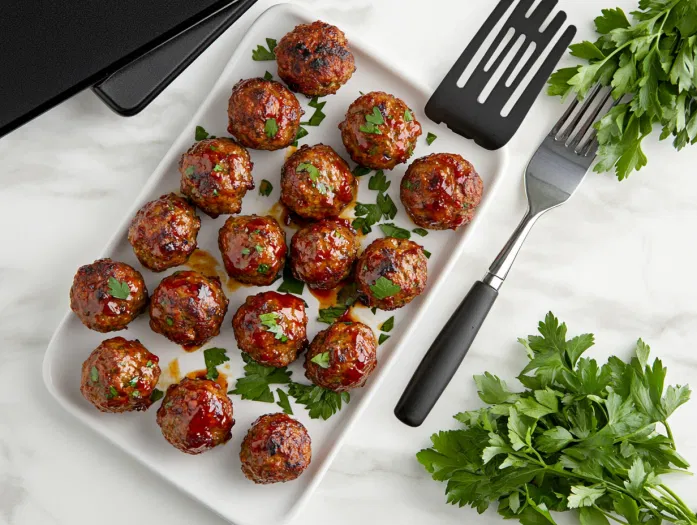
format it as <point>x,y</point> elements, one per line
<point>616,260</point>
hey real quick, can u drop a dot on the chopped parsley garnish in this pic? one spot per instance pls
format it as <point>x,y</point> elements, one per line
<point>290,284</point>
<point>387,206</point>
<point>359,171</point>
<point>408,117</point>
<point>214,357</point>
<point>245,251</point>
<point>189,170</point>
<point>268,76</point>
<point>261,53</point>
<point>119,289</point>
<point>373,120</point>
<point>384,288</point>
<point>314,174</point>
<point>318,116</point>
<point>320,402</point>
<point>379,181</point>
<point>215,193</point>
<point>383,338</point>
<point>263,268</point>
<point>201,133</point>
<point>390,230</point>
<point>133,382</point>
<point>420,231</point>
<point>156,395</point>
<point>112,392</point>
<point>265,188</point>
<point>368,214</point>
<point>94,374</point>
<point>271,325</point>
<point>430,137</point>
<point>426,253</point>
<point>135,393</point>
<point>254,385</point>
<point>374,309</point>
<point>213,147</point>
<point>302,132</point>
<point>149,364</point>
<point>169,321</point>
<point>271,127</point>
<point>348,294</point>
<point>284,402</point>
<point>259,248</point>
<point>331,314</point>
<point>321,360</point>
<point>388,325</point>
<point>219,168</point>
<point>406,184</point>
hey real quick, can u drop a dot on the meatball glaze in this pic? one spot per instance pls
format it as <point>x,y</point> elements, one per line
<point>276,449</point>
<point>196,415</point>
<point>188,308</point>
<point>379,145</point>
<point>97,295</point>
<point>352,356</point>
<point>316,183</point>
<point>119,376</point>
<point>322,254</point>
<point>441,191</point>
<point>263,114</point>
<point>270,327</point>
<point>163,232</point>
<point>314,59</point>
<point>401,262</point>
<point>253,249</point>
<point>216,174</point>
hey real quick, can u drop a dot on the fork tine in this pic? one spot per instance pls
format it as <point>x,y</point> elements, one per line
<point>585,148</point>
<point>570,126</point>
<point>589,120</point>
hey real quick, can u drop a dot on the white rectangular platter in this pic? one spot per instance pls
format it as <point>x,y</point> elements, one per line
<point>215,478</point>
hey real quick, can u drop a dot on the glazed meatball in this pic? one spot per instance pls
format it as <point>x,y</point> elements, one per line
<point>344,355</point>
<point>107,295</point>
<point>216,174</point>
<point>316,183</point>
<point>253,249</point>
<point>120,376</point>
<point>391,273</point>
<point>270,327</point>
<point>314,59</point>
<point>263,114</point>
<point>322,254</point>
<point>379,131</point>
<point>163,232</point>
<point>196,415</point>
<point>441,191</point>
<point>188,308</point>
<point>276,449</point>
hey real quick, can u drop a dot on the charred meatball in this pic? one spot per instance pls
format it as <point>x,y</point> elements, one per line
<point>270,327</point>
<point>163,232</point>
<point>253,249</point>
<point>342,356</point>
<point>441,191</point>
<point>314,59</point>
<point>322,254</point>
<point>120,376</point>
<point>391,273</point>
<point>276,449</point>
<point>107,295</point>
<point>195,415</point>
<point>188,308</point>
<point>216,174</point>
<point>263,114</point>
<point>316,183</point>
<point>379,131</point>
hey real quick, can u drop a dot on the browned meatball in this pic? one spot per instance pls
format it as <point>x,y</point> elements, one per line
<point>276,449</point>
<point>270,327</point>
<point>342,356</point>
<point>196,415</point>
<point>107,295</point>
<point>379,131</point>
<point>120,376</point>
<point>163,232</point>
<point>263,114</point>
<point>322,254</point>
<point>391,273</point>
<point>441,191</point>
<point>253,249</point>
<point>216,174</point>
<point>188,308</point>
<point>314,59</point>
<point>316,183</point>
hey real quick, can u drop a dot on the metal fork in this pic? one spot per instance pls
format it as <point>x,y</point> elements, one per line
<point>551,177</point>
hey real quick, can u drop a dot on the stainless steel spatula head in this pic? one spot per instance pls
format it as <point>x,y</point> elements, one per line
<point>490,115</point>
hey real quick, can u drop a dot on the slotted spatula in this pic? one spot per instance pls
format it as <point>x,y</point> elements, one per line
<point>483,122</point>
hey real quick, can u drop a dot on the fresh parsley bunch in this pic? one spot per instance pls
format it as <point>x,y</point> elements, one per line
<point>580,437</point>
<point>650,64</point>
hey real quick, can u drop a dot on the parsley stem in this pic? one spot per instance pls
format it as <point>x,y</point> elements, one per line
<point>689,514</point>
<point>670,433</point>
<point>619,520</point>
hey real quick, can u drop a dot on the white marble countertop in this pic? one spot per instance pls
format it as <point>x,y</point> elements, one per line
<point>616,261</point>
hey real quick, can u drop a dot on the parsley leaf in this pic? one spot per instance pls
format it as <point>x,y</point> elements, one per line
<point>382,338</point>
<point>383,288</point>
<point>390,230</point>
<point>302,132</point>
<point>368,215</point>
<point>119,289</point>
<point>261,53</point>
<point>359,171</point>
<point>268,76</point>
<point>375,117</point>
<point>420,231</point>
<point>94,374</point>
<point>265,188</point>
<point>388,325</point>
<point>156,395</point>
<point>290,284</point>
<point>379,181</point>
<point>318,116</point>
<point>284,402</point>
<point>321,360</point>
<point>387,206</point>
<point>254,385</point>
<point>320,402</point>
<point>201,133</point>
<point>430,137</point>
<point>214,357</point>
<point>270,127</point>
<point>408,117</point>
<point>331,314</point>
<point>269,321</point>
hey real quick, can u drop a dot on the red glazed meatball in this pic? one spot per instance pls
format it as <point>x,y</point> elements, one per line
<point>263,114</point>
<point>188,308</point>
<point>441,191</point>
<point>107,295</point>
<point>391,273</point>
<point>379,131</point>
<point>163,232</point>
<point>196,415</point>
<point>120,376</point>
<point>314,59</point>
<point>216,174</point>
<point>342,356</point>
<point>316,183</point>
<point>322,254</point>
<point>270,327</point>
<point>276,449</point>
<point>253,249</point>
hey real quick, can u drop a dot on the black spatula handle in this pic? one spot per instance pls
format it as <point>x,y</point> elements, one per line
<point>445,355</point>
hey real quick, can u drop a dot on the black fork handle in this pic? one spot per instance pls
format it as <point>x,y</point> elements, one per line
<point>445,355</point>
